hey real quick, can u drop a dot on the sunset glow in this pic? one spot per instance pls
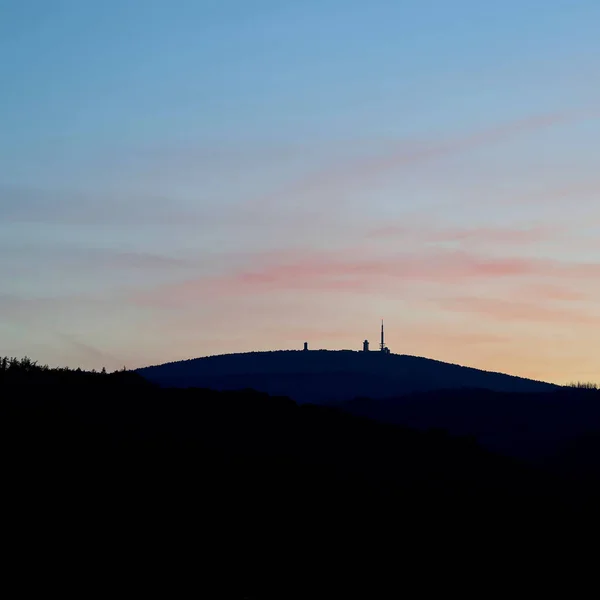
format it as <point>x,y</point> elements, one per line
<point>214,177</point>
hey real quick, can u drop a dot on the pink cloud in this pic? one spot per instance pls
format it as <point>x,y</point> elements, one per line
<point>438,333</point>
<point>446,267</point>
<point>358,273</point>
<point>507,310</point>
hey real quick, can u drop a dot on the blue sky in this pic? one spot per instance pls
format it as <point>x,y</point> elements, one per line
<point>186,178</point>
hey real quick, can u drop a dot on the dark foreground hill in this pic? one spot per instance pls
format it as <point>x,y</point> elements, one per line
<point>533,426</point>
<point>114,483</point>
<point>514,416</point>
<point>324,375</point>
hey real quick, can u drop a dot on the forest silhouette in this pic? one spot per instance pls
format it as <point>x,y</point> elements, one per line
<point>115,481</point>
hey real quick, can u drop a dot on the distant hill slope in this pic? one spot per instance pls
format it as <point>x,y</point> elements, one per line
<point>326,375</point>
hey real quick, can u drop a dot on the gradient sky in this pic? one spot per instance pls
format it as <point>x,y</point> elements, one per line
<point>183,178</point>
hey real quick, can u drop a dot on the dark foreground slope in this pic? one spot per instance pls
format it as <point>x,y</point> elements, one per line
<point>519,417</point>
<point>115,483</point>
<point>534,426</point>
<point>324,375</point>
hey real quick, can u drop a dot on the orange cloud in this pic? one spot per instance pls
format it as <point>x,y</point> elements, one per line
<point>440,266</point>
<point>548,291</point>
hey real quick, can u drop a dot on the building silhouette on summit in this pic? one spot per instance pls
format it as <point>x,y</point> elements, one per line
<point>382,347</point>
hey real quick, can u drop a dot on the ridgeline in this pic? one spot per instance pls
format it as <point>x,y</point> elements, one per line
<point>327,375</point>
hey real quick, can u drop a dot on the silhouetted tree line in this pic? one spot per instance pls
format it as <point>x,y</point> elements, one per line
<point>239,494</point>
<point>584,385</point>
<point>26,371</point>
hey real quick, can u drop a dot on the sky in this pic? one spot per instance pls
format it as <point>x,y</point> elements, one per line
<point>187,178</point>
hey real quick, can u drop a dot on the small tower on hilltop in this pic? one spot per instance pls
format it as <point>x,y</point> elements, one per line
<point>366,346</point>
<point>305,346</point>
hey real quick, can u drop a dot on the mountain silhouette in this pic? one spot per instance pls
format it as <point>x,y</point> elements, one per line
<point>325,376</point>
<point>513,416</point>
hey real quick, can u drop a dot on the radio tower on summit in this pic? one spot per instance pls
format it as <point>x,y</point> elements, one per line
<point>382,345</point>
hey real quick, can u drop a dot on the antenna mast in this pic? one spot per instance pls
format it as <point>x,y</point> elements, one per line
<point>382,345</point>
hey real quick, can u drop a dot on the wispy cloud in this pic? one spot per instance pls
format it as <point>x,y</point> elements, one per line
<point>329,185</point>
<point>26,308</point>
<point>495,235</point>
<point>355,273</point>
<point>547,291</point>
<point>85,257</point>
<point>106,257</point>
<point>19,204</point>
<point>89,354</point>
<point>515,310</point>
<point>363,170</point>
<point>448,267</point>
